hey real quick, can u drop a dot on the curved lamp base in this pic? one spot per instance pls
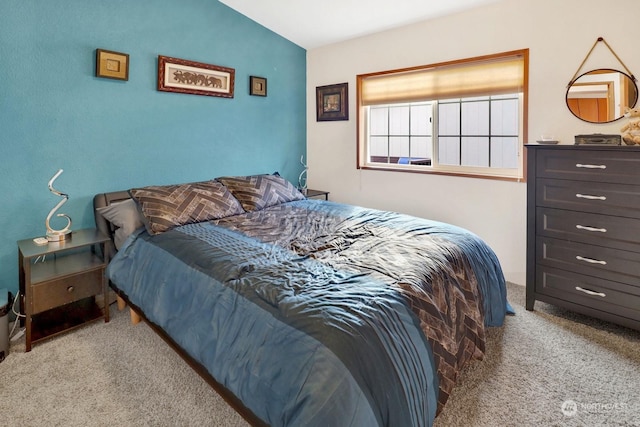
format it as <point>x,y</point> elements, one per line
<point>59,236</point>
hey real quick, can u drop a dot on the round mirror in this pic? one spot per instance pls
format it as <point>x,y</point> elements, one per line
<point>602,95</point>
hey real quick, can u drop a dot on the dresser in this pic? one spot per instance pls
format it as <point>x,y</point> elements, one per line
<point>583,230</point>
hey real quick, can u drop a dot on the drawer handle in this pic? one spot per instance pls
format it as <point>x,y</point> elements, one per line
<point>587,228</point>
<point>580,165</point>
<point>592,293</point>
<point>591,260</point>
<point>590,197</point>
<point>70,289</point>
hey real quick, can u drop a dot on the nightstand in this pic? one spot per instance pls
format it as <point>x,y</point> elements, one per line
<point>310,194</point>
<point>59,282</point>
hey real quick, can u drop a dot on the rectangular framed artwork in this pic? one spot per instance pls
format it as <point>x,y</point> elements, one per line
<point>112,65</point>
<point>196,78</point>
<point>332,102</point>
<point>257,86</point>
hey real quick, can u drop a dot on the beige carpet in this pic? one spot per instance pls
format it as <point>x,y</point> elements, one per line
<point>113,374</point>
<point>544,359</point>
<point>116,374</point>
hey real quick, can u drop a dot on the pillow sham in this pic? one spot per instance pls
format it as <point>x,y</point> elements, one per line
<point>125,217</point>
<point>256,192</point>
<point>168,206</point>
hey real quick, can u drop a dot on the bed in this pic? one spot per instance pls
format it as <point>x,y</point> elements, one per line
<point>304,312</point>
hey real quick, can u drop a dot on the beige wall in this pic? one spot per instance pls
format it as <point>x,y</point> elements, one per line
<point>559,35</point>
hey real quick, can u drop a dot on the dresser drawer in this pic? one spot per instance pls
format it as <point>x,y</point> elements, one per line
<point>602,198</point>
<point>589,164</point>
<point>616,298</point>
<point>602,230</point>
<point>54,293</point>
<point>592,260</point>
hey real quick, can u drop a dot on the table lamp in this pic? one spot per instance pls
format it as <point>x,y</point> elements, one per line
<point>64,233</point>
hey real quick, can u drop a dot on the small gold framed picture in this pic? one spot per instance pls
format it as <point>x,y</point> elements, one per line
<point>112,65</point>
<point>257,86</point>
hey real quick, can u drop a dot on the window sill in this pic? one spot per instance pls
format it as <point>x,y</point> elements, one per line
<point>448,172</point>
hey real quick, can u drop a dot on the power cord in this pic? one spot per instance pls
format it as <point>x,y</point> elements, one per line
<point>18,316</point>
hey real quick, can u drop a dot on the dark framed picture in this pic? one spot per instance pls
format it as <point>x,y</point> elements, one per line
<point>196,78</point>
<point>332,102</point>
<point>112,65</point>
<point>257,86</point>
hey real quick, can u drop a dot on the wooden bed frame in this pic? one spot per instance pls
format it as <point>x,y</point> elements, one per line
<point>137,315</point>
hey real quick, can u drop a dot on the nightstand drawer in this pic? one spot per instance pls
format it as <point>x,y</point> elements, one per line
<point>603,198</point>
<point>601,230</point>
<point>611,297</point>
<point>66,290</point>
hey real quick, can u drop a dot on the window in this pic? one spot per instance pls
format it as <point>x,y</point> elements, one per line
<point>401,133</point>
<point>465,117</point>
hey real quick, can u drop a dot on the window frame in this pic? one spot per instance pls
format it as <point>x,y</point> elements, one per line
<point>456,170</point>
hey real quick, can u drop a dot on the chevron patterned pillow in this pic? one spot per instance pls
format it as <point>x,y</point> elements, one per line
<point>168,206</point>
<point>256,192</point>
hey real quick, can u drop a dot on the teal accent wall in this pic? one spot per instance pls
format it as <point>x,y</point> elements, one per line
<point>114,135</point>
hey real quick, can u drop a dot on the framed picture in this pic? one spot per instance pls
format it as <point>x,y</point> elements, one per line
<point>257,86</point>
<point>112,65</point>
<point>196,78</point>
<point>332,102</point>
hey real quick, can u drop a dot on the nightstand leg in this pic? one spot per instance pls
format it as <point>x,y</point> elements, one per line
<point>27,328</point>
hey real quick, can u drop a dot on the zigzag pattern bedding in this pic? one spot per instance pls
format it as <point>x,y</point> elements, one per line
<point>167,206</point>
<point>256,192</point>
<point>316,313</point>
<point>431,263</point>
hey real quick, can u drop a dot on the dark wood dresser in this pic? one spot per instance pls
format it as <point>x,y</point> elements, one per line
<point>583,230</point>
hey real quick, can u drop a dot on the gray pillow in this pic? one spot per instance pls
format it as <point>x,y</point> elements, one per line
<point>167,206</point>
<point>256,192</point>
<point>125,217</point>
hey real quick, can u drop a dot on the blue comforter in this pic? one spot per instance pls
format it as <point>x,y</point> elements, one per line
<point>316,313</point>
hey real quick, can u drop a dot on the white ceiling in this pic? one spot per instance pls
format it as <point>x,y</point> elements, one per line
<point>314,23</point>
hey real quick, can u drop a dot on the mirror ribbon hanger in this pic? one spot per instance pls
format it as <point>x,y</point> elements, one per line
<point>600,39</point>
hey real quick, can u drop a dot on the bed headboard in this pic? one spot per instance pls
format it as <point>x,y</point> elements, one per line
<point>105,199</point>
